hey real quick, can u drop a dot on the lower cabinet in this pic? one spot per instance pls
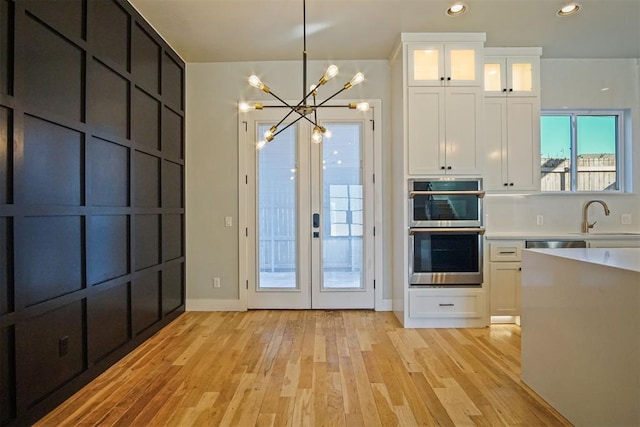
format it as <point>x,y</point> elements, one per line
<point>447,307</point>
<point>504,277</point>
<point>505,288</point>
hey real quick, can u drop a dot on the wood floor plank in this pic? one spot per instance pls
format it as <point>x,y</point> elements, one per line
<point>311,368</point>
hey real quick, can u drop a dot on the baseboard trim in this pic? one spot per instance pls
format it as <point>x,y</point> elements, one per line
<point>215,305</point>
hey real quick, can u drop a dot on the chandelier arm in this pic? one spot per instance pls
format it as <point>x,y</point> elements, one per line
<point>285,103</point>
<point>331,97</point>
<point>289,125</point>
<point>293,110</point>
<point>315,111</point>
<point>285,118</point>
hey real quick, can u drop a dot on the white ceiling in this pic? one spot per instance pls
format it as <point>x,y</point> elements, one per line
<point>262,30</point>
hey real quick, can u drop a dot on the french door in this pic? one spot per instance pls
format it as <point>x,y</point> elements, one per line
<point>310,213</point>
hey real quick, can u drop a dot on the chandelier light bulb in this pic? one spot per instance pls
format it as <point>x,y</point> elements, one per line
<point>360,106</point>
<point>331,72</point>
<point>256,82</point>
<point>260,144</point>
<point>316,136</point>
<point>357,79</point>
<point>245,107</point>
<point>328,134</point>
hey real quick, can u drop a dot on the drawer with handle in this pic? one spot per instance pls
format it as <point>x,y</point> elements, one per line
<point>506,251</point>
<point>433,303</point>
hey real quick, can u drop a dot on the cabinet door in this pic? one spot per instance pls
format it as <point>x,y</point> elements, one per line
<point>425,64</point>
<point>523,76</point>
<point>463,130</point>
<point>511,76</point>
<point>495,76</point>
<point>495,144</point>
<point>523,144</point>
<point>444,64</point>
<point>505,288</point>
<point>512,144</point>
<point>426,126</point>
<point>463,64</point>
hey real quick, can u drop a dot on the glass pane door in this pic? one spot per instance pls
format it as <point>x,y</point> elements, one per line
<point>342,194</point>
<point>342,202</point>
<point>277,218</point>
<point>310,214</point>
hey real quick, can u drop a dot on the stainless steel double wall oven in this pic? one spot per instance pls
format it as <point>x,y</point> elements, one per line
<point>445,232</point>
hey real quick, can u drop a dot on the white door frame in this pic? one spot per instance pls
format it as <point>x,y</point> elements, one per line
<point>246,254</point>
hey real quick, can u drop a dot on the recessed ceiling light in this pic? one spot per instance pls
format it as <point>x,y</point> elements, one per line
<point>456,9</point>
<point>568,9</point>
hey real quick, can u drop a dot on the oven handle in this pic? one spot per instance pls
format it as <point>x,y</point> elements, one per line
<point>413,231</point>
<point>413,194</point>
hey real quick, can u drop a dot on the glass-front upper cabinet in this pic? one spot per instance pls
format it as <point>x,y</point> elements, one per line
<point>512,75</point>
<point>445,64</point>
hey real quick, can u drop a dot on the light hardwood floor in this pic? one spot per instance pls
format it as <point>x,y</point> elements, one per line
<point>311,368</point>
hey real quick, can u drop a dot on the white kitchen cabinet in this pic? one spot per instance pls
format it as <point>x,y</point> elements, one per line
<point>512,71</point>
<point>446,303</point>
<point>444,130</point>
<point>505,288</point>
<point>504,277</point>
<point>437,63</point>
<point>512,119</point>
<point>437,129</point>
<point>512,144</point>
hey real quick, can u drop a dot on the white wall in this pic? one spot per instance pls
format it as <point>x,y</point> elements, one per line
<point>577,83</point>
<point>213,90</point>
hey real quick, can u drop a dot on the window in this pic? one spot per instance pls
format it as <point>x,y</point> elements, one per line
<point>581,151</point>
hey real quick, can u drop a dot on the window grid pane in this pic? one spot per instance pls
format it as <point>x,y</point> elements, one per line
<point>580,151</point>
<point>555,148</point>
<point>596,149</point>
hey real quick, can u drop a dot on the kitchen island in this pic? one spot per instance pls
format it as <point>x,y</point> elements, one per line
<point>581,332</point>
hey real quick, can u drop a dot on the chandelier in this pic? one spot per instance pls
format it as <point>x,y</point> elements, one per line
<point>307,107</point>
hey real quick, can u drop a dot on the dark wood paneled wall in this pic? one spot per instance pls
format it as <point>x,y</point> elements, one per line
<point>92,255</point>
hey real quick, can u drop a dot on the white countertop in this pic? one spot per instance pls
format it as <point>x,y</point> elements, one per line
<point>622,258</point>
<point>559,235</point>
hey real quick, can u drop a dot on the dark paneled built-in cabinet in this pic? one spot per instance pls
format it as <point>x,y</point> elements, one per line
<point>92,164</point>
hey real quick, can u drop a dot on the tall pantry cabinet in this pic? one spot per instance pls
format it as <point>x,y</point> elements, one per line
<point>437,121</point>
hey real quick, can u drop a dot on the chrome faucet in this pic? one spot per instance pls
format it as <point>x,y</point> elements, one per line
<point>585,216</point>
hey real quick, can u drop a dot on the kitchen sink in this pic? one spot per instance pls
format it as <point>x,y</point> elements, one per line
<point>555,244</point>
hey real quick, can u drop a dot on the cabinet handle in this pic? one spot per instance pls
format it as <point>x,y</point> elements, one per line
<point>507,252</point>
<point>448,78</point>
<point>441,78</point>
<point>519,268</point>
<point>449,167</point>
<point>446,305</point>
<point>442,167</point>
<point>504,90</point>
<point>511,184</point>
<point>506,184</point>
<point>511,90</point>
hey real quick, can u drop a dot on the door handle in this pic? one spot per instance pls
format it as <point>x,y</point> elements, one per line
<point>316,220</point>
